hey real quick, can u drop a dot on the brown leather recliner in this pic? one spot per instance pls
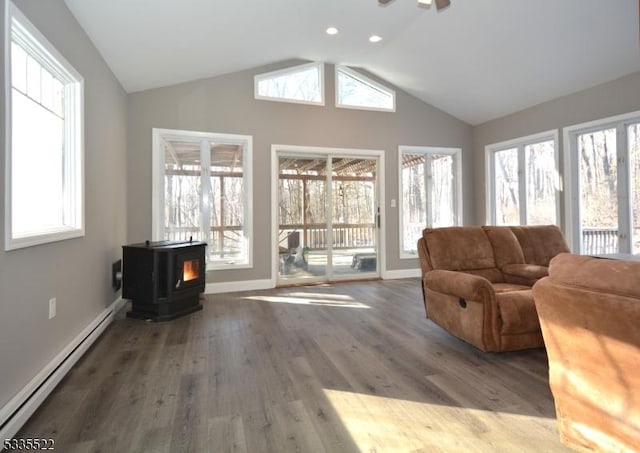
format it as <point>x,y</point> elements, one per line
<point>589,310</point>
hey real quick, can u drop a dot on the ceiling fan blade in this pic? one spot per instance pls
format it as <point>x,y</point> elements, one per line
<point>440,4</point>
<point>384,2</point>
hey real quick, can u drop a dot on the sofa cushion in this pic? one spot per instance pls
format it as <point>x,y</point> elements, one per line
<point>459,248</point>
<point>540,243</point>
<point>506,248</point>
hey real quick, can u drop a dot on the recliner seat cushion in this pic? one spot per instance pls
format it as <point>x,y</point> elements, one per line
<point>531,271</point>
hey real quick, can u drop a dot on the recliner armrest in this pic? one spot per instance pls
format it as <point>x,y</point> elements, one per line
<point>459,284</point>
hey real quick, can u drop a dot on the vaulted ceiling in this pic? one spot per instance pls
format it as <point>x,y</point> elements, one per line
<point>477,59</point>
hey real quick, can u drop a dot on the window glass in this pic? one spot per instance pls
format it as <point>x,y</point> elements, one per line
<point>541,183</point>
<point>599,202</point>
<point>355,90</point>
<point>429,188</point>
<point>442,199</point>
<point>206,193</point>
<point>523,181</point>
<point>507,203</point>
<point>634,184</point>
<point>602,162</point>
<point>414,199</point>
<point>45,126</point>
<point>301,84</point>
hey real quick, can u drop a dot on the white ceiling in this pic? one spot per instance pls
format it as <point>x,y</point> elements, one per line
<point>477,59</point>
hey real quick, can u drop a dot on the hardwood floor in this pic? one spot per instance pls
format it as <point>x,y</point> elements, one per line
<point>336,368</point>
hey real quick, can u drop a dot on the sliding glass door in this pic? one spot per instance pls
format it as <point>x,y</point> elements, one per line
<point>327,217</point>
<point>353,216</point>
<point>302,217</point>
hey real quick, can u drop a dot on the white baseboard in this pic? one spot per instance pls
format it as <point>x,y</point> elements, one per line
<point>247,285</point>
<point>253,285</point>
<point>17,411</point>
<point>403,273</point>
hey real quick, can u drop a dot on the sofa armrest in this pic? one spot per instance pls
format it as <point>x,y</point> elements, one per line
<point>531,272</point>
<point>459,284</point>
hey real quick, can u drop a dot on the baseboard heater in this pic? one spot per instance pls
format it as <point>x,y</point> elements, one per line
<point>18,410</point>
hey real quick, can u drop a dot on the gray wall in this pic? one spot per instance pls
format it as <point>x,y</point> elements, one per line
<point>609,99</point>
<point>77,271</point>
<point>226,104</point>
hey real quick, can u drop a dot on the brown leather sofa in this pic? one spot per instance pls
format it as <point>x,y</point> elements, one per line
<point>477,281</point>
<point>589,310</point>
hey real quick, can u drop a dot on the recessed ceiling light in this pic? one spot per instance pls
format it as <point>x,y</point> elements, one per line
<point>332,31</point>
<point>375,38</point>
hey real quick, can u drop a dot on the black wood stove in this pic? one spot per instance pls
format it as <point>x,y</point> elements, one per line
<point>163,279</point>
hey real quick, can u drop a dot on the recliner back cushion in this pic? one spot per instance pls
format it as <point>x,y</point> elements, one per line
<point>599,275</point>
<point>540,243</point>
<point>459,248</point>
<point>505,244</point>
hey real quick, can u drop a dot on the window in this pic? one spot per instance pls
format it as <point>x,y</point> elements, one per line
<point>356,91</point>
<point>430,191</point>
<point>603,181</point>
<point>44,121</point>
<point>523,181</point>
<point>302,84</point>
<point>202,190</point>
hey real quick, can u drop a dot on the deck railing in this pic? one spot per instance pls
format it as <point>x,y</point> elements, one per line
<point>314,236</point>
<point>596,241</point>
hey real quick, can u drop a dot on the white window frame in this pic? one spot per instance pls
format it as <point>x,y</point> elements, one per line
<point>519,143</point>
<point>456,153</point>
<point>157,207</point>
<point>18,27</point>
<point>268,75</point>
<point>366,80</point>
<point>572,180</point>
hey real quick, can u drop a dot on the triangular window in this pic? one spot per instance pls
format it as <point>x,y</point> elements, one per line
<point>300,84</point>
<point>356,91</point>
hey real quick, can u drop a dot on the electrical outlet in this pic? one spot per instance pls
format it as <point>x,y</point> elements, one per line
<point>52,307</point>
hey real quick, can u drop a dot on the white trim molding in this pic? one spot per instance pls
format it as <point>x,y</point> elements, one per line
<point>246,285</point>
<point>18,410</point>
<point>257,285</point>
<point>402,273</point>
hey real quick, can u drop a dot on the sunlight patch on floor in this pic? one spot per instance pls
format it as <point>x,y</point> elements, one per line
<point>327,300</point>
<point>377,423</point>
